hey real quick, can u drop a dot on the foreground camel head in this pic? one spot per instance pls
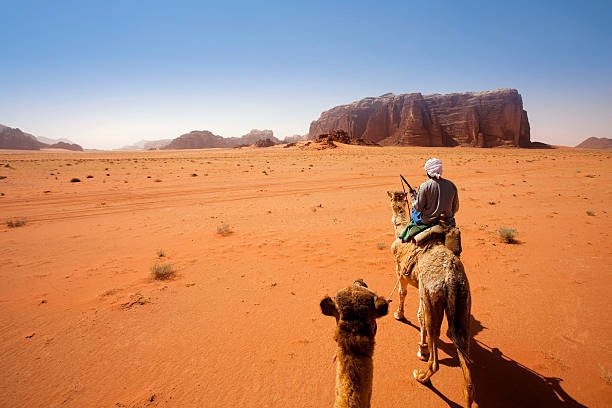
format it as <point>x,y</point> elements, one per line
<point>356,309</point>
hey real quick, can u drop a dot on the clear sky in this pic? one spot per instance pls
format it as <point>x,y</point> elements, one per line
<point>109,73</point>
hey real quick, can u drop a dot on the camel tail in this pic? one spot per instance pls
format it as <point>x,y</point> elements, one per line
<point>458,310</point>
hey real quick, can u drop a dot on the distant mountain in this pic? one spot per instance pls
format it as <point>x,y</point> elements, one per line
<point>197,139</point>
<point>147,145</point>
<point>596,143</point>
<point>295,138</point>
<point>49,141</point>
<point>16,139</point>
<point>203,139</point>
<point>253,137</point>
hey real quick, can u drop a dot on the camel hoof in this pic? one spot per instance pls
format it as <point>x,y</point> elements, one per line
<point>398,315</point>
<point>419,375</point>
<point>423,356</point>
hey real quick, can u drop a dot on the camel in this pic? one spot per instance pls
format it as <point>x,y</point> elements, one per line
<point>443,286</point>
<point>356,309</point>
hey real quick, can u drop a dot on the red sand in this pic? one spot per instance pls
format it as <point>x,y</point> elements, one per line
<point>241,325</point>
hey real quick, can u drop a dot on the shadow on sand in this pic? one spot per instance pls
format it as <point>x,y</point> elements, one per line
<point>501,381</point>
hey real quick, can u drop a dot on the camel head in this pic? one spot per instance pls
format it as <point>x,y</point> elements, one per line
<point>356,309</point>
<point>399,204</point>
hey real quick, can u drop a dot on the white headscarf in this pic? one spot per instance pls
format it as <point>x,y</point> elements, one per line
<point>433,167</point>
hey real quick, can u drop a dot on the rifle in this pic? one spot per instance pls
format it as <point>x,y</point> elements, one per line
<point>412,190</point>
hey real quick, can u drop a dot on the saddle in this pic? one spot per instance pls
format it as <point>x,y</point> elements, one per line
<point>448,234</point>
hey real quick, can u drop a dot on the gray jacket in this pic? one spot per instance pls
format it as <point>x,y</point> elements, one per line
<point>435,197</point>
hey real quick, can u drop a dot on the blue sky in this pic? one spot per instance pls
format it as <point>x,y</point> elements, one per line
<point>106,74</point>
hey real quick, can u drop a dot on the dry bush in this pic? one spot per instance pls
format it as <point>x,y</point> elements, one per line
<point>590,213</point>
<point>161,253</point>
<point>162,271</point>
<point>75,180</point>
<point>17,222</point>
<point>507,235</point>
<point>224,229</point>
<point>380,245</point>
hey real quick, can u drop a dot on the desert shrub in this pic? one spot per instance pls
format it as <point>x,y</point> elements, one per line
<point>224,229</point>
<point>75,180</point>
<point>90,176</point>
<point>17,222</point>
<point>194,175</point>
<point>162,271</point>
<point>590,213</point>
<point>157,180</point>
<point>507,235</point>
<point>380,245</point>
<point>161,253</point>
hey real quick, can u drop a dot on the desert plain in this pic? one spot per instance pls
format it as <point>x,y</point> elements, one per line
<point>85,325</point>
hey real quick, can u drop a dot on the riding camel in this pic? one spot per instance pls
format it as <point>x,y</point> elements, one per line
<point>356,309</point>
<point>443,287</point>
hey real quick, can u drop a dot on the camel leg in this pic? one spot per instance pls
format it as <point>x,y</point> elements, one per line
<point>433,314</point>
<point>468,385</point>
<point>423,352</point>
<point>403,283</point>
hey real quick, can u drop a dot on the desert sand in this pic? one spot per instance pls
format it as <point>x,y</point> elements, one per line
<point>85,325</point>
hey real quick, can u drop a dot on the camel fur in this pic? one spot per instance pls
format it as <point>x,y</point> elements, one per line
<point>443,287</point>
<point>356,309</point>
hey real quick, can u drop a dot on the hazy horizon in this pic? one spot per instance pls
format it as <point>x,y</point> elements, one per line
<point>112,74</point>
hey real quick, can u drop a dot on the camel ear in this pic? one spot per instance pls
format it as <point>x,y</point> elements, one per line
<point>382,307</point>
<point>390,194</point>
<point>328,307</point>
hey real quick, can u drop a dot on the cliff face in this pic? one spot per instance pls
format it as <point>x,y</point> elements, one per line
<point>13,138</point>
<point>482,119</point>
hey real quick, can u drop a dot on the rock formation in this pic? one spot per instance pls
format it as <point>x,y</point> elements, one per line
<point>197,139</point>
<point>203,139</point>
<point>596,143</point>
<point>14,138</point>
<point>253,137</point>
<point>482,119</point>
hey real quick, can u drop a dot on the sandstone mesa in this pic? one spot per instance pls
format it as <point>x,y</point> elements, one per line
<point>478,119</point>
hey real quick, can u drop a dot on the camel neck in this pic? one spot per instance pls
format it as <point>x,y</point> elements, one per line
<point>353,380</point>
<point>400,218</point>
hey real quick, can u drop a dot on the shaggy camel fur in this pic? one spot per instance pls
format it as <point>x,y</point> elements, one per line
<point>356,309</point>
<point>443,287</point>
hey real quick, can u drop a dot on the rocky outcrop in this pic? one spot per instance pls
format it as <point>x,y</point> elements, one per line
<point>482,119</point>
<point>341,136</point>
<point>203,139</point>
<point>16,139</point>
<point>264,143</point>
<point>596,143</point>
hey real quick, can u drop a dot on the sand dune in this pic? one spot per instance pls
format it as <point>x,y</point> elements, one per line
<point>84,325</point>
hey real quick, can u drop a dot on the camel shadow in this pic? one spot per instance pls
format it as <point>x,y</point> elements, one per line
<point>501,381</point>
